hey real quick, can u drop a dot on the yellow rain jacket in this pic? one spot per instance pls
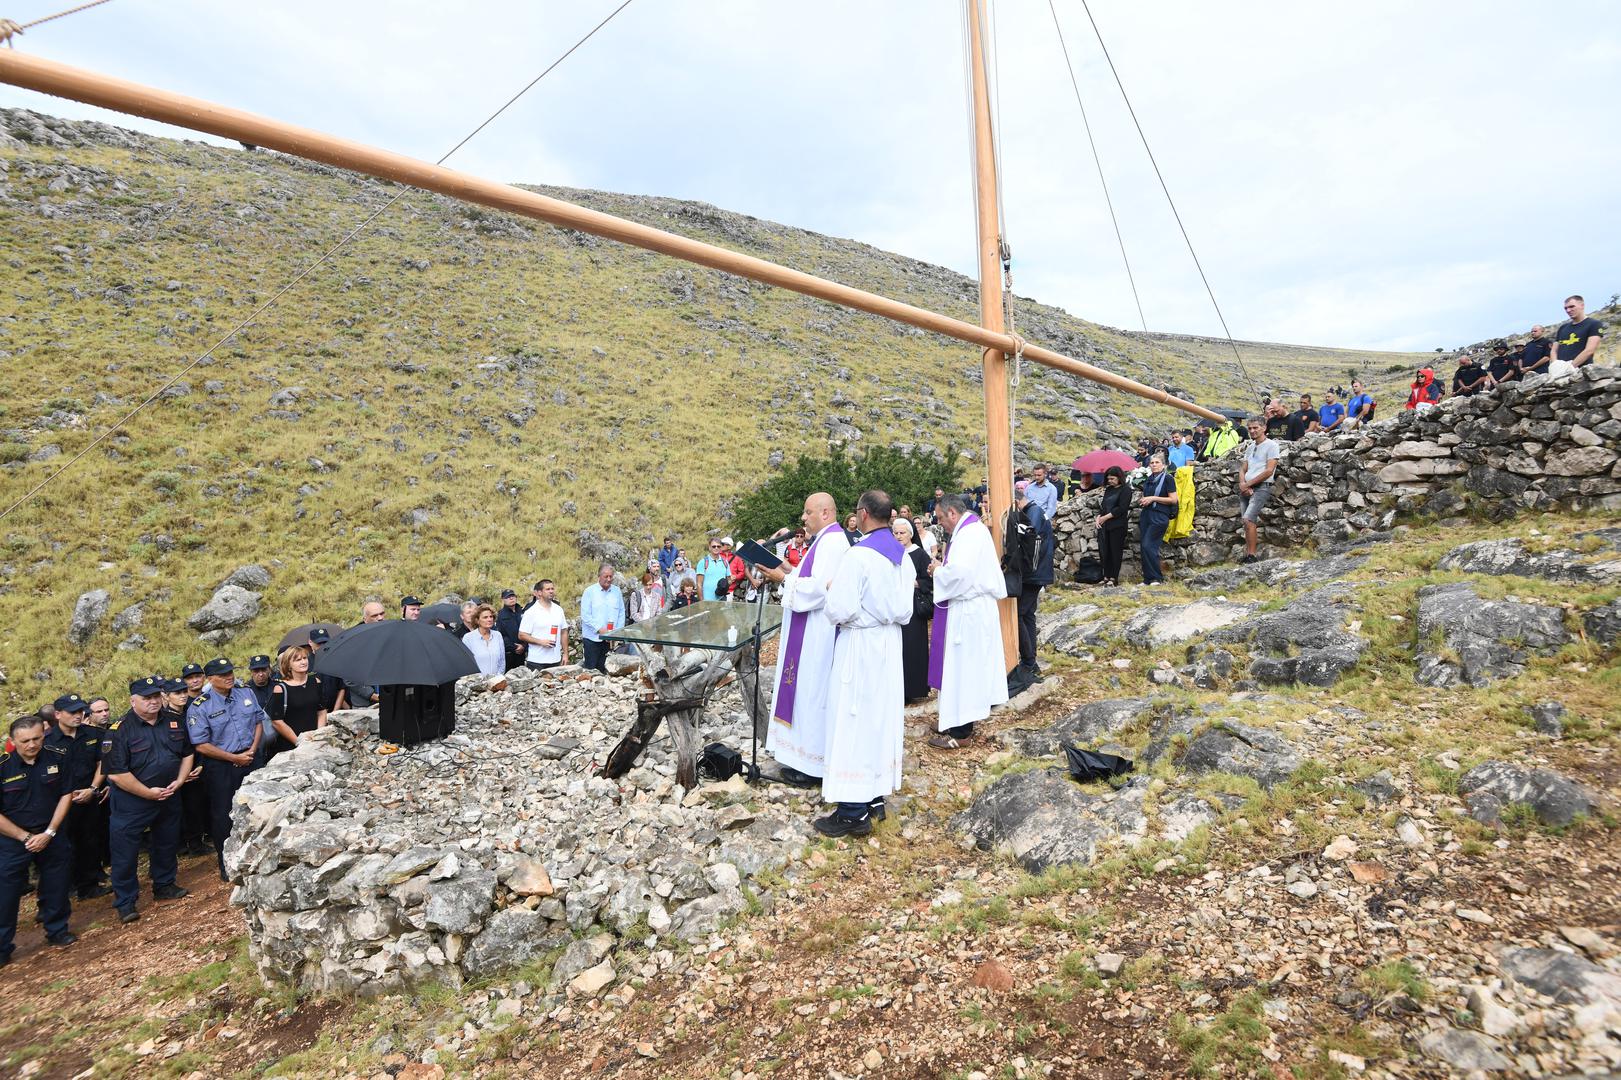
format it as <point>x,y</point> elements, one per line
<point>1183,524</point>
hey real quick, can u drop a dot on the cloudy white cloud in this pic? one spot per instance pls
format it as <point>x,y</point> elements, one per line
<point>1379,175</point>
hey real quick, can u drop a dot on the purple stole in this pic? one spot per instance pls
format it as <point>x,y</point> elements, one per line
<point>937,632</point>
<point>884,543</point>
<point>794,643</point>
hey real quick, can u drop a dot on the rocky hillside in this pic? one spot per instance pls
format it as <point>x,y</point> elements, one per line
<point>460,400</point>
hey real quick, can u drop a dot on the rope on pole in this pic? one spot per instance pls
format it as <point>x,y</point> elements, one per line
<point>10,30</point>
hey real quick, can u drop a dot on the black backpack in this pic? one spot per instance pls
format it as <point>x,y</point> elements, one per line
<point>1020,551</point>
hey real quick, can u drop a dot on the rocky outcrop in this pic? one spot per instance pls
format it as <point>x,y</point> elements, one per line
<point>1603,625</point>
<point>1043,818</point>
<point>1510,556</point>
<point>360,872</point>
<point>88,612</point>
<point>1487,639</point>
<point>1072,629</point>
<point>1536,445</point>
<point>1231,747</point>
<point>1491,786</point>
<point>1165,625</point>
<point>231,606</point>
<point>1086,724</point>
<point>1309,640</point>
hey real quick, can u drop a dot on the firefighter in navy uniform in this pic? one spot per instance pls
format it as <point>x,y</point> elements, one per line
<point>178,694</point>
<point>226,725</point>
<point>261,679</point>
<point>34,802</point>
<point>147,761</point>
<point>80,745</point>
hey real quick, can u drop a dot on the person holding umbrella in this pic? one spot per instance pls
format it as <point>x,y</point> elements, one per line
<point>295,701</point>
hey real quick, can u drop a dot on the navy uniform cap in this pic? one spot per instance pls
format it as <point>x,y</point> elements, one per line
<point>191,669</point>
<point>410,601</point>
<point>507,594</point>
<point>174,686</point>
<point>218,666</point>
<point>259,663</point>
<point>147,686</point>
<point>320,636</point>
<point>71,703</point>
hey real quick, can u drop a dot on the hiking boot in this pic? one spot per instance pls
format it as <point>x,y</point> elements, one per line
<point>95,891</point>
<point>5,958</point>
<point>794,778</point>
<point>128,915</point>
<point>837,825</point>
<point>62,940</point>
<point>877,811</point>
<point>169,892</point>
<point>1249,558</point>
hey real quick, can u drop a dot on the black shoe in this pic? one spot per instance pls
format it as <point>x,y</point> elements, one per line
<point>877,811</point>
<point>62,940</point>
<point>5,959</point>
<point>195,848</point>
<point>169,892</point>
<point>1249,558</point>
<point>94,891</point>
<point>794,778</point>
<point>835,825</point>
<point>128,915</point>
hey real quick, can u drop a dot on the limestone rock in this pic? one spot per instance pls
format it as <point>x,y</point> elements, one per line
<point>231,606</point>
<point>1232,747</point>
<point>1510,556</point>
<point>1492,785</point>
<point>1603,625</point>
<point>513,936</point>
<point>1490,638</point>
<point>1308,640</point>
<point>1091,721</point>
<point>1549,717</point>
<point>593,981</point>
<point>460,905</point>
<point>705,915</point>
<point>1464,1049</point>
<point>1156,626</point>
<point>252,577</point>
<point>88,611</point>
<point>1072,629</point>
<point>1562,976</point>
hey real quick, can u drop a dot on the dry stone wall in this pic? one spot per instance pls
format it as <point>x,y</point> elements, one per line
<point>1541,444</point>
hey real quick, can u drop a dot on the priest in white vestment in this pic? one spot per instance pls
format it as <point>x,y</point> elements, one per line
<point>797,734</point>
<point>965,646</point>
<point>869,601</point>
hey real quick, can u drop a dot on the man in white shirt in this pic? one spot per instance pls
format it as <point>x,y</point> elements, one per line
<point>544,628</point>
<point>965,647</point>
<point>1255,482</point>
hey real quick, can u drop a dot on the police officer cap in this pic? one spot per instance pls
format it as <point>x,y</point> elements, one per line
<point>319,636</point>
<point>410,601</point>
<point>218,666</point>
<point>71,703</point>
<point>191,669</point>
<point>259,663</point>
<point>174,686</point>
<point>146,687</point>
<point>507,594</point>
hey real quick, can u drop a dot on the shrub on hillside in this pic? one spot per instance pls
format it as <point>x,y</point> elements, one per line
<point>909,476</point>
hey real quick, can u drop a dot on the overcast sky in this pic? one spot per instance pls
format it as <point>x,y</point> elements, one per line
<point>1379,174</point>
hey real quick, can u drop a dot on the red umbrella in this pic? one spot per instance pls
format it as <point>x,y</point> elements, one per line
<point>1102,460</point>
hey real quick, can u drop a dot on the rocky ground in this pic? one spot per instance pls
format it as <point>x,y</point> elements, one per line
<point>1374,872</point>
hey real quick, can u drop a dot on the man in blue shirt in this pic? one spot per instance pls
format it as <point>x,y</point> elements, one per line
<point>1042,492</point>
<point>1359,410</point>
<point>602,609</point>
<point>1180,453</point>
<point>1332,414</point>
<point>34,801</point>
<point>224,723</point>
<point>667,557</point>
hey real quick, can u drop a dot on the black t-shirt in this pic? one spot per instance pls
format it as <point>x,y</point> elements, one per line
<point>1277,427</point>
<point>1536,353</point>
<point>1505,367</point>
<point>1573,337</point>
<point>1467,380</point>
<point>1300,422</point>
<point>300,706</point>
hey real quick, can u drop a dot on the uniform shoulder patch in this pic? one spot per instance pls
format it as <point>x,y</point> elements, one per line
<point>58,750</point>
<point>114,725</point>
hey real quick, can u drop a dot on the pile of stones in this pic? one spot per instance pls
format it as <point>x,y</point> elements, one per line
<point>362,871</point>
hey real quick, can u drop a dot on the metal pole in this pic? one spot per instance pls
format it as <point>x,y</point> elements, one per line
<point>998,437</point>
<point>62,80</point>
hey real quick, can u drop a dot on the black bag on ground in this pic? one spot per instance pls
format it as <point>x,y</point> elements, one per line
<point>1089,571</point>
<point>720,761</point>
<point>1086,765</point>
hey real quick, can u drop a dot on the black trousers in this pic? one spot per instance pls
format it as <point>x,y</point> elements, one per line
<point>222,779</point>
<point>194,809</point>
<point>54,906</point>
<point>85,829</point>
<point>596,655</point>
<point>1028,599</point>
<point>1111,550</point>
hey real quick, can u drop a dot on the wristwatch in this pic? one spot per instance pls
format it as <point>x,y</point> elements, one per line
<point>51,833</point>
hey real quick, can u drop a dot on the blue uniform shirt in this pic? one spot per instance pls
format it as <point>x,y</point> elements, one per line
<point>29,793</point>
<point>151,753</point>
<point>226,721</point>
<point>80,754</point>
<point>1330,413</point>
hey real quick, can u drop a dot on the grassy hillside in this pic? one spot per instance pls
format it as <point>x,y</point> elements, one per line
<point>462,400</point>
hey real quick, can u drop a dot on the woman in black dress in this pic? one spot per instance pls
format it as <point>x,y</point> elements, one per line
<point>1112,520</point>
<point>915,634</point>
<point>296,702</point>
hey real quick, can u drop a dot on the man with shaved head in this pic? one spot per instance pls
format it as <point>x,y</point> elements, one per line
<point>797,736</point>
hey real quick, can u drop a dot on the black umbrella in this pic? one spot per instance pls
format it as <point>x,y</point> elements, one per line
<point>450,614</point>
<point>396,652</point>
<point>1234,415</point>
<point>301,636</point>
